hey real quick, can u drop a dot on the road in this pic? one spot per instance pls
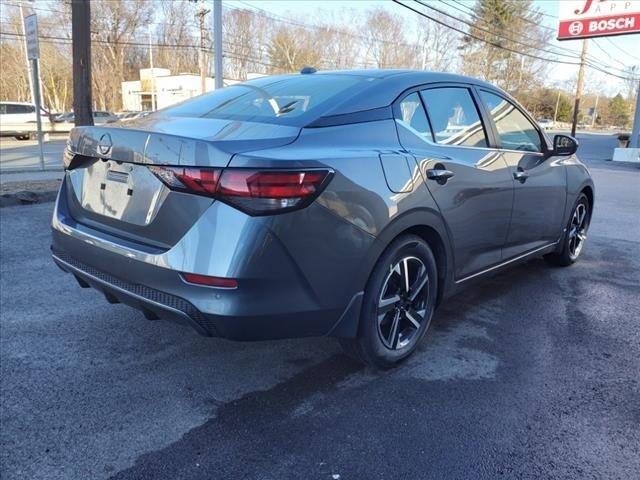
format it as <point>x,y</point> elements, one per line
<point>532,374</point>
<point>19,155</point>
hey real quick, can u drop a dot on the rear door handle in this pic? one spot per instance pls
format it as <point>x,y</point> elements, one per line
<point>440,175</point>
<point>520,175</point>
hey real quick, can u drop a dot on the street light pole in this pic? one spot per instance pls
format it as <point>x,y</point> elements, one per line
<point>217,42</point>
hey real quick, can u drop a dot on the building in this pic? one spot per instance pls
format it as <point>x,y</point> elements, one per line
<point>158,84</point>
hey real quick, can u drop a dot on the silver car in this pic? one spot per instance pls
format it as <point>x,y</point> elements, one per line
<point>347,204</point>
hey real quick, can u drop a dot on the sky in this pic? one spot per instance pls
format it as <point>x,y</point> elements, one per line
<point>620,51</point>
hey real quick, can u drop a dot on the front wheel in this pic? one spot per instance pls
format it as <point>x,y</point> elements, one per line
<point>398,304</point>
<point>575,236</point>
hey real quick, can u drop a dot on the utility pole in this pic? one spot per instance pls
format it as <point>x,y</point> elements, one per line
<point>202,59</point>
<point>154,104</point>
<point>217,42</point>
<point>81,38</point>
<point>555,113</point>
<point>579,87</point>
<point>595,112</point>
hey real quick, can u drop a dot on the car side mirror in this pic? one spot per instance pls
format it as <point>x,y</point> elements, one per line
<point>564,145</point>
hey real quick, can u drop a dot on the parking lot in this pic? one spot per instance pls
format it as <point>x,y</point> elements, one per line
<point>533,374</point>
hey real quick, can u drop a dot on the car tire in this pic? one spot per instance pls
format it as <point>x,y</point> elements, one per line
<point>26,136</point>
<point>394,318</point>
<point>574,235</point>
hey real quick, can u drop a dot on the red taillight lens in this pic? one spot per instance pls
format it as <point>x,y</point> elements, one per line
<point>257,192</point>
<point>208,281</point>
<point>203,181</point>
<point>274,184</point>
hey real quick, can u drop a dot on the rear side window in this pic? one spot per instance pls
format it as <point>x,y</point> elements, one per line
<point>515,130</point>
<point>17,108</point>
<point>412,114</point>
<point>454,117</point>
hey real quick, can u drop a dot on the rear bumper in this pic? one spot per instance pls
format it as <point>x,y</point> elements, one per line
<point>274,298</point>
<point>159,304</point>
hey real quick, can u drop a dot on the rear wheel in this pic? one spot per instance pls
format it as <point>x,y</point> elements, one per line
<point>575,236</point>
<point>398,304</point>
<point>25,136</point>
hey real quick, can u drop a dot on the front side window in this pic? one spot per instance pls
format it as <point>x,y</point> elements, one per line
<point>412,114</point>
<point>515,130</point>
<point>454,117</point>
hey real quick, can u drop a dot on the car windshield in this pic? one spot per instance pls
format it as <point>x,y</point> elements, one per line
<point>282,100</point>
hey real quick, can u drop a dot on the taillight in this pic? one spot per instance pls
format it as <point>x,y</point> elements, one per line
<point>256,192</point>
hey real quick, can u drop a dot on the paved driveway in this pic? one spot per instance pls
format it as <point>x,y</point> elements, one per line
<point>533,374</point>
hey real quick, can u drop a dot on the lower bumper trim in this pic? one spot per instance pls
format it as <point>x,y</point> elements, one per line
<point>143,298</point>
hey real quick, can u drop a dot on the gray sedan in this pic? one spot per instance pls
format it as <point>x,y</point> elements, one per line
<point>348,204</point>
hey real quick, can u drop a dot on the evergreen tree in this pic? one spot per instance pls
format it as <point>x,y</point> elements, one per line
<point>618,111</point>
<point>501,25</point>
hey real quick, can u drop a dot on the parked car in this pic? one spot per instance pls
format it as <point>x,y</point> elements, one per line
<point>347,204</point>
<point>546,123</point>
<point>99,117</point>
<point>18,119</point>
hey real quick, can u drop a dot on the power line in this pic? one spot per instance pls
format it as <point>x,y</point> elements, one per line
<point>511,39</point>
<point>497,45</point>
<point>572,52</point>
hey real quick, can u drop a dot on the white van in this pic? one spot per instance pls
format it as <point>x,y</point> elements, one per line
<point>17,119</point>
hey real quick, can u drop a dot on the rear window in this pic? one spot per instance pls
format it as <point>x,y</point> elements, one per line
<point>281,100</point>
<point>17,108</point>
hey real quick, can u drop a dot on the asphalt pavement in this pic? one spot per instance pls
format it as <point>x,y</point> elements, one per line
<point>24,155</point>
<point>535,373</point>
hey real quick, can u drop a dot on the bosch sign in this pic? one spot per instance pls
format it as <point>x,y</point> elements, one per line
<point>598,18</point>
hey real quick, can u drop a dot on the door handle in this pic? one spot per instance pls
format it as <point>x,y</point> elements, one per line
<point>520,175</point>
<point>440,175</point>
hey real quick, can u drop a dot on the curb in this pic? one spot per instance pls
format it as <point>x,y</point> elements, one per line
<point>26,197</point>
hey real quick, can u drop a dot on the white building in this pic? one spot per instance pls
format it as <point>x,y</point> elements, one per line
<point>138,95</point>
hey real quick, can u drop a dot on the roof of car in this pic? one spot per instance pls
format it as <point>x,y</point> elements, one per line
<point>389,84</point>
<point>15,103</point>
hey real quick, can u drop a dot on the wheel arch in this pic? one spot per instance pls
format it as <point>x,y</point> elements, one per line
<point>428,225</point>
<point>588,191</point>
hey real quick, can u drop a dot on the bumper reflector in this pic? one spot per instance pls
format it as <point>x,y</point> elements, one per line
<point>218,282</point>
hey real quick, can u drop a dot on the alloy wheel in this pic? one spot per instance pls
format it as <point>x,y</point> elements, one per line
<point>402,305</point>
<point>577,230</point>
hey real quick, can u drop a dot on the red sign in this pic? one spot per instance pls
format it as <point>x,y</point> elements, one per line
<point>598,18</point>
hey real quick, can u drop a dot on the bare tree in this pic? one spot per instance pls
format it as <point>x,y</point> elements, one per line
<point>499,29</point>
<point>292,48</point>
<point>244,35</point>
<point>386,41</point>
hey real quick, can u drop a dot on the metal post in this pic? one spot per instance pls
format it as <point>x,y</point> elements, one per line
<point>579,87</point>
<point>36,94</point>
<point>217,43</point>
<point>26,57</point>
<point>635,134</point>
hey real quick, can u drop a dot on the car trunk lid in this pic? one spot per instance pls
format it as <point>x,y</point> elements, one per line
<point>112,188</point>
